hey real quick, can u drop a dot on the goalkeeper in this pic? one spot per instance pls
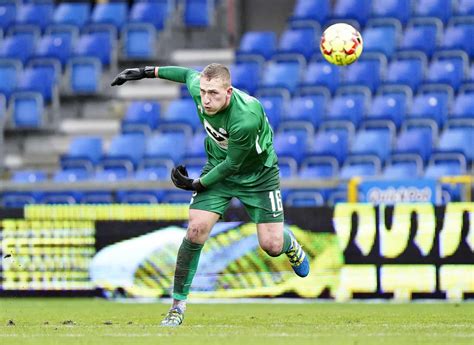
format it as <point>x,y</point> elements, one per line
<point>241,163</point>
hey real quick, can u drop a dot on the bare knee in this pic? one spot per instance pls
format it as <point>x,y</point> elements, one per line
<point>272,246</point>
<point>197,232</point>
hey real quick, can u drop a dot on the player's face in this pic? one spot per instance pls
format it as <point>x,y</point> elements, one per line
<point>215,95</point>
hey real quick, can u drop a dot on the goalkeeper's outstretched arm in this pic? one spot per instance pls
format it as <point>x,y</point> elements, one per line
<point>173,73</point>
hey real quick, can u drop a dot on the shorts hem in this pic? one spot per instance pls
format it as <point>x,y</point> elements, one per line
<point>204,209</point>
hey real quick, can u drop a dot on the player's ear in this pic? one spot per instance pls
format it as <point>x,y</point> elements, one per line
<point>229,90</point>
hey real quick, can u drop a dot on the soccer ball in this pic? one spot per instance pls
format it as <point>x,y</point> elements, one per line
<point>341,44</point>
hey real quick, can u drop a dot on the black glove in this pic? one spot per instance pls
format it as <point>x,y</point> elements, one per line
<point>179,176</point>
<point>134,74</point>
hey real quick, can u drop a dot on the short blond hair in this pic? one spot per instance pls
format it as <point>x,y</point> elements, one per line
<point>217,70</point>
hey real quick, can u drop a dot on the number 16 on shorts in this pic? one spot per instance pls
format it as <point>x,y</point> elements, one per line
<point>275,201</point>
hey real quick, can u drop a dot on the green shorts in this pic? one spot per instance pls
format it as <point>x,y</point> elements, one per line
<point>262,200</point>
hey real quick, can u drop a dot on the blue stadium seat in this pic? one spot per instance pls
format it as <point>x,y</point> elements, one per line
<point>372,142</point>
<point>60,198</point>
<point>183,112</point>
<point>9,74</point>
<point>71,175</point>
<point>288,144</point>
<point>177,197</point>
<point>401,170</point>
<point>274,105</point>
<point>138,41</point>
<point>299,38</point>
<point>19,199</point>
<point>348,106</point>
<point>20,47</point>
<point>416,142</point>
<point>457,141</point>
<point>141,116</point>
<point>358,169</point>
<point>321,73</point>
<point>85,74</point>
<point>97,42</point>
<point>72,13</point>
<point>41,79</point>
<point>318,167</point>
<point>152,12</point>
<point>282,74</point>
<point>318,10</point>
<point>380,38</point>
<point>431,104</point>
<point>246,75</point>
<point>288,167</point>
<point>158,148</point>
<point>114,13</point>
<point>399,9</point>
<point>35,13</point>
<point>459,36</point>
<point>358,10</point>
<point>58,48</point>
<point>158,172</point>
<point>98,197</point>
<point>440,168</point>
<point>198,13</point>
<point>441,9</point>
<point>261,43</point>
<point>463,106</point>
<point>307,107</point>
<point>304,199</point>
<point>391,106</point>
<point>444,168</point>
<point>422,34</point>
<point>8,9</point>
<point>28,176</point>
<point>329,144</point>
<point>407,69</point>
<point>195,147</point>
<point>66,196</point>
<point>124,154</point>
<point>139,196</point>
<point>448,67</point>
<point>27,109</point>
<point>304,128</point>
<point>368,71</point>
<point>465,8</point>
<point>84,153</point>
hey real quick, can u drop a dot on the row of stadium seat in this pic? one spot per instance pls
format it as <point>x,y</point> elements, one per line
<point>61,41</point>
<point>362,10</point>
<point>295,197</point>
<point>372,70</point>
<point>434,103</point>
<point>42,13</point>
<point>35,86</point>
<point>385,36</point>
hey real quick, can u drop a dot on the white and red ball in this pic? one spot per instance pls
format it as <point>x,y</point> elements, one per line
<point>341,44</point>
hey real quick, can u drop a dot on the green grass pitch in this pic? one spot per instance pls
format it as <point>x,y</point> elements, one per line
<point>96,321</point>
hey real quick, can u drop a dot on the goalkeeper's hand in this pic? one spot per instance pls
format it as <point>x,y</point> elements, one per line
<point>179,176</point>
<point>134,74</point>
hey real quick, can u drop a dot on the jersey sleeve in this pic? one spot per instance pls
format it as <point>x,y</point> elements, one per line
<point>242,139</point>
<point>177,74</point>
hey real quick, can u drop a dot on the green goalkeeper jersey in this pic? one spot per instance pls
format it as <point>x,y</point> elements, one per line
<point>240,140</point>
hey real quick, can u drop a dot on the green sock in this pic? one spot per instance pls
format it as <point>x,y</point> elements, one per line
<point>186,266</point>
<point>286,241</point>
